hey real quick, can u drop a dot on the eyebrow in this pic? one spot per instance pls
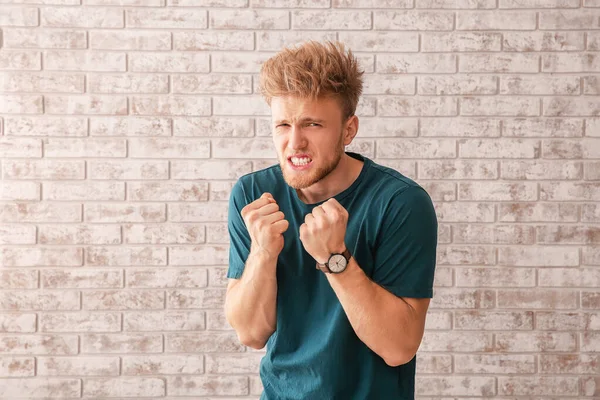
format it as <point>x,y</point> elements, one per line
<point>305,119</point>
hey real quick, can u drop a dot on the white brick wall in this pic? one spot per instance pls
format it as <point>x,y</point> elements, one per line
<point>124,124</point>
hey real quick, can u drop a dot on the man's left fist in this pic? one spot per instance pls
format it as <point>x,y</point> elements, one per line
<point>324,230</point>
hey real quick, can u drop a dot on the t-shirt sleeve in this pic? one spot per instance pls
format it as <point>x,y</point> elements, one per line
<point>405,253</point>
<point>239,238</point>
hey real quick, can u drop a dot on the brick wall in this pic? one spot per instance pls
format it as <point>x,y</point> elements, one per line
<point>126,122</point>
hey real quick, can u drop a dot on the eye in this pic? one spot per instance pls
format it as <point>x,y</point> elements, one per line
<point>313,124</point>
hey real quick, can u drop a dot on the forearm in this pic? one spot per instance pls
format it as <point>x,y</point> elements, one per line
<point>250,307</point>
<point>384,322</point>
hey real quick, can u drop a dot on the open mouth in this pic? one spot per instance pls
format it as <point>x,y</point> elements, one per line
<point>301,161</point>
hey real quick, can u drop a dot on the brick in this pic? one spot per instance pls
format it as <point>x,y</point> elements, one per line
<point>19,191</point>
<point>168,191</point>
<point>566,191</point>
<point>589,341</point>
<point>45,126</point>
<point>539,4</point>
<point>38,345</point>
<point>32,300</point>
<point>455,4</point>
<point>137,3</point>
<point>214,127</point>
<point>590,212</point>
<point>217,321</point>
<point>19,60</point>
<point>463,298</point>
<point>416,63</point>
<point>568,234</point>
<point>21,104</point>
<point>249,19</point>
<point>43,169</point>
<point>42,82</point>
<point>233,364</point>
<point>198,255</point>
<point>568,19</point>
<point>163,364</point>
<point>80,147</point>
<point>494,363</point>
<point>40,256</point>
<point>208,385</point>
<point>380,41</point>
<point>434,364</point>
<point>579,364</point>
<point>423,106</point>
<point>79,234</point>
<point>238,105</point>
<point>443,276</point>
<point>495,277</point>
<point>208,212</point>
<point>130,126</point>
<point>496,63</point>
<point>465,212</point>
<point>45,38</point>
<point>216,233</point>
<point>494,20</point>
<point>126,256</point>
<point>128,83</point>
<point>563,321</point>
<point>538,385</point>
<point>80,322</point>
<point>543,41</point>
<point>540,212</point>
<point>334,19</point>
<point>591,255</point>
<point>490,320</point>
<point>123,300</point>
<point>438,320</point>
<point>541,170</point>
<point>97,191</point>
<point>158,147</point>
<point>82,17</point>
<point>456,386</point>
<point>240,63</point>
<point>166,278</point>
<point>160,234</point>
<point>256,386</point>
<point>198,41</point>
<point>389,84</point>
<point>208,3</point>
<point>276,40</point>
<point>592,127</point>
<point>85,366</point>
<point>242,148</point>
<point>128,170</point>
<point>124,387</point>
<point>210,169</point>
<point>524,85</point>
<point>497,191</point>
<point>518,342</point>
<point>96,61</point>
<point>207,342</point>
<point>582,62</point>
<point>590,300</point>
<point>206,298</point>
<point>542,256</point>
<point>121,343</point>
<point>12,147</point>
<point>456,341</point>
<point>166,19</point>
<point>541,298</point>
<point>170,105</point>
<point>499,148</point>
<point>499,106</point>
<point>368,3</point>
<point>542,127</point>
<point>458,84</point>
<point>19,16</point>
<point>82,279</point>
<point>17,367</point>
<point>148,321</point>
<point>125,213</point>
<point>18,279</point>
<point>130,40</point>
<point>462,127</point>
<point>591,85</point>
<point>94,104</point>
<point>460,41</point>
<point>40,388</point>
<point>565,148</point>
<point>366,108</point>
<point>171,62</point>
<point>413,20</point>
<point>498,234</point>
<point>408,148</point>
<point>218,277</point>
<point>440,191</point>
<point>21,323</point>
<point>212,84</point>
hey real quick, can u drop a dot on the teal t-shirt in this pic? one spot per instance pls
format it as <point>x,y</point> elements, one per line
<point>314,352</point>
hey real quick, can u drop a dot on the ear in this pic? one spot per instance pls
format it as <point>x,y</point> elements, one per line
<point>350,129</point>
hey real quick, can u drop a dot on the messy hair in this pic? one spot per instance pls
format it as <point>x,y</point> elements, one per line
<point>313,70</point>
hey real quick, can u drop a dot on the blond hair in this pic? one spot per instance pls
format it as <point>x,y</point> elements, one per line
<point>314,70</point>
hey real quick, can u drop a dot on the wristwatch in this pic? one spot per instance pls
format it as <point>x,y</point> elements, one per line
<point>336,264</point>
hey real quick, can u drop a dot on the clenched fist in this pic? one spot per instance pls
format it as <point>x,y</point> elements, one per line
<point>324,230</point>
<point>266,225</point>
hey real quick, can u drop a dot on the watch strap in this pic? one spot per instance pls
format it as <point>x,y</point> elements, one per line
<point>325,267</point>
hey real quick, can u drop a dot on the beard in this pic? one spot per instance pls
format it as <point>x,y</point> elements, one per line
<point>304,179</point>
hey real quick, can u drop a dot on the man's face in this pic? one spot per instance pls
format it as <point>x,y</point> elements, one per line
<point>309,138</point>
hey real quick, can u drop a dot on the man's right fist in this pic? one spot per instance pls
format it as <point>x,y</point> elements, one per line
<point>266,225</point>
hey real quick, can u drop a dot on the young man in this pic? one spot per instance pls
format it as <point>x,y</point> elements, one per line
<point>332,256</point>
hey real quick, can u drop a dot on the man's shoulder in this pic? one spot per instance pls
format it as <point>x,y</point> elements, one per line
<point>252,185</point>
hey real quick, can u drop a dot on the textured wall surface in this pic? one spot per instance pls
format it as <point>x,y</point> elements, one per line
<point>126,122</point>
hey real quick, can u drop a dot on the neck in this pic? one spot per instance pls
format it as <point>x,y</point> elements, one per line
<point>340,179</point>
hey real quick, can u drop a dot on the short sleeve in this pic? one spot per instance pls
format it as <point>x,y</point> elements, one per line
<point>405,253</point>
<point>239,238</point>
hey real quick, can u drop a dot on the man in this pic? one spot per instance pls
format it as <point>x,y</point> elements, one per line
<point>332,256</point>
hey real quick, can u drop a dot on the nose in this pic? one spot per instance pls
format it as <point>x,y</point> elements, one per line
<point>297,140</point>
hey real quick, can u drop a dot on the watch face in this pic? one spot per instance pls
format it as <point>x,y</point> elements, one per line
<point>337,263</point>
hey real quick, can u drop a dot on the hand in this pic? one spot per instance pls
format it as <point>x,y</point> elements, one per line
<point>324,230</point>
<point>266,225</point>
